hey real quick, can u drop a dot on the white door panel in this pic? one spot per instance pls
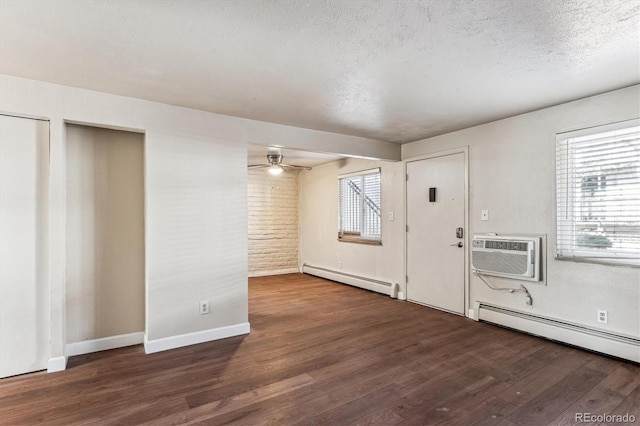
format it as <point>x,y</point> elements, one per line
<point>24,294</point>
<point>435,263</point>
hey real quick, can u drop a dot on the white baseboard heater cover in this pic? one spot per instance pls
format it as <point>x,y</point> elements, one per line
<point>595,340</point>
<point>354,280</point>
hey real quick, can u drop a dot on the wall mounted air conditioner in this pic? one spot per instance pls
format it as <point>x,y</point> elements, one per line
<point>507,256</point>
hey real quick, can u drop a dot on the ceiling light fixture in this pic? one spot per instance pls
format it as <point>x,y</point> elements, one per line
<point>275,169</point>
<point>275,164</point>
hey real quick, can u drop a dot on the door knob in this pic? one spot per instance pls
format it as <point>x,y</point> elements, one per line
<point>456,244</point>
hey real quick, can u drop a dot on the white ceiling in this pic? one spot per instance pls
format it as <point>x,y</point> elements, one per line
<point>389,70</point>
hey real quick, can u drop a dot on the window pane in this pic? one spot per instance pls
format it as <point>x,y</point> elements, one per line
<point>359,206</point>
<point>371,223</point>
<point>598,195</point>
<point>351,194</point>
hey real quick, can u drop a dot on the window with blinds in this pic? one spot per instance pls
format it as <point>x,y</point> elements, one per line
<point>598,194</point>
<point>359,207</point>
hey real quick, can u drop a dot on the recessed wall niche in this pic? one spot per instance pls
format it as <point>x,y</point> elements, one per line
<point>105,291</point>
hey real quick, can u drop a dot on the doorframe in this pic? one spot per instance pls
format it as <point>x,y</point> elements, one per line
<point>461,150</point>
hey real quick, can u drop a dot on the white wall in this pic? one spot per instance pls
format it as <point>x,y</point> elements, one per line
<point>319,245</point>
<point>196,196</point>
<point>512,174</point>
<point>105,233</point>
<point>196,233</point>
<point>272,203</point>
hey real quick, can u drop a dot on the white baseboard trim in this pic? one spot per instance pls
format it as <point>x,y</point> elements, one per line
<point>595,340</point>
<point>56,364</point>
<point>345,278</point>
<point>473,313</point>
<point>166,343</point>
<point>275,272</point>
<point>104,344</point>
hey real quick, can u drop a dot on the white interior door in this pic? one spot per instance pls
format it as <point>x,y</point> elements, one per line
<point>24,294</point>
<point>435,253</point>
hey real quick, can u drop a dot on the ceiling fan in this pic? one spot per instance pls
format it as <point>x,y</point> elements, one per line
<point>275,165</point>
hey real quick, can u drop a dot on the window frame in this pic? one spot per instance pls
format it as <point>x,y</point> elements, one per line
<point>566,246</point>
<point>351,236</point>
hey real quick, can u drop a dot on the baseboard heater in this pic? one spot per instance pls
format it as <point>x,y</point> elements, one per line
<point>344,278</point>
<point>584,337</point>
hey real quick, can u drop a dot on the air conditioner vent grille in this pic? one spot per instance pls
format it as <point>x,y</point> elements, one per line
<point>506,245</point>
<point>507,263</point>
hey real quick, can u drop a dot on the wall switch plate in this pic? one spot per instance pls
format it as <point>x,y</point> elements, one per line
<point>603,316</point>
<point>204,307</point>
<point>484,215</point>
<point>391,217</point>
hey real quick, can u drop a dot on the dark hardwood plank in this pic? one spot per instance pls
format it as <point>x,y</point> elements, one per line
<point>354,409</point>
<point>560,396</point>
<point>597,400</point>
<point>328,354</point>
<point>456,408</point>
<point>630,406</point>
<point>382,416</point>
<point>492,411</point>
<point>607,396</point>
<point>215,408</point>
<point>559,361</point>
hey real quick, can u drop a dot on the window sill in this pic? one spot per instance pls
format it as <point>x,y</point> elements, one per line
<point>599,261</point>
<point>360,241</point>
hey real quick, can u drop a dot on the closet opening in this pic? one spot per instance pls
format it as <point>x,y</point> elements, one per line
<point>105,289</point>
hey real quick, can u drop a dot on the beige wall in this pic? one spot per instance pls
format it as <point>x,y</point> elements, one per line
<point>105,233</point>
<point>272,203</point>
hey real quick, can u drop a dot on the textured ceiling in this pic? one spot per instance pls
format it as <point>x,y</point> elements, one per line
<point>397,71</point>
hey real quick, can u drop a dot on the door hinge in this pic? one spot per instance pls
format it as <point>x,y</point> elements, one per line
<point>407,228</point>
<point>406,277</point>
<point>407,175</point>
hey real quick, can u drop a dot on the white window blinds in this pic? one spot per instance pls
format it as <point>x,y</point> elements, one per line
<point>598,193</point>
<point>359,206</point>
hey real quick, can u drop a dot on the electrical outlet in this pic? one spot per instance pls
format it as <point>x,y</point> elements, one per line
<point>603,316</point>
<point>204,307</point>
<point>484,215</point>
<point>340,264</point>
<point>391,216</point>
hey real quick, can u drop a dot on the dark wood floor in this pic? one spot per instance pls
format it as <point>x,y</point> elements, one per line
<point>322,353</point>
